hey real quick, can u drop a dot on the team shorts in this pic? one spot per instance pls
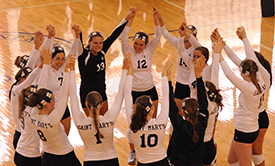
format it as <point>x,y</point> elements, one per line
<point>69,159</point>
<point>181,91</point>
<point>83,94</point>
<point>16,137</point>
<point>26,161</point>
<point>113,162</point>
<point>163,162</point>
<point>243,137</point>
<point>66,113</point>
<point>152,93</point>
<point>263,120</point>
<point>210,152</point>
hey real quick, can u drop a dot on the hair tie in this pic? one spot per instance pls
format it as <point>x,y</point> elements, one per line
<point>245,72</point>
<point>148,107</point>
<point>46,99</point>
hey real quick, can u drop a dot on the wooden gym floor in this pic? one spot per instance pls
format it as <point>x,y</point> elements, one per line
<point>20,19</point>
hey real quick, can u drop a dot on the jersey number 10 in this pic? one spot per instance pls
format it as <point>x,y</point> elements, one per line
<point>152,140</point>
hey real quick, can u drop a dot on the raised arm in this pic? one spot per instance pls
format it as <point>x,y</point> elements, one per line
<point>43,79</point>
<point>113,112</point>
<point>77,47</point>
<point>166,77</point>
<point>201,92</point>
<point>38,41</point>
<point>128,93</point>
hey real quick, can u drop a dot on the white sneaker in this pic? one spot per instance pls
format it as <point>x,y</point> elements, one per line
<point>132,158</point>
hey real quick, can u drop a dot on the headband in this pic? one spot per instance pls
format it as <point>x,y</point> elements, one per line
<point>211,95</point>
<point>96,33</point>
<point>57,49</point>
<point>141,37</point>
<point>26,71</point>
<point>46,99</point>
<point>193,28</point>
<point>148,107</point>
<point>24,61</point>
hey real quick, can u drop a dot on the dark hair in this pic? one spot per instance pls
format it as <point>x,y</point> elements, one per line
<point>250,68</point>
<point>193,28</point>
<point>139,116</point>
<point>214,94</point>
<point>142,36</point>
<point>22,73</point>
<point>56,50</point>
<point>264,63</point>
<point>190,107</point>
<point>94,101</point>
<point>23,99</point>
<point>204,52</point>
<point>21,61</point>
<point>40,98</point>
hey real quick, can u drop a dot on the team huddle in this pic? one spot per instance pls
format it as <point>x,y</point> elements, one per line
<point>39,100</point>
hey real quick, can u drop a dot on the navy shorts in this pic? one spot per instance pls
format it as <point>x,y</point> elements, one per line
<point>66,113</point>
<point>26,161</point>
<point>210,152</point>
<point>69,159</point>
<point>113,162</point>
<point>263,120</point>
<point>152,93</point>
<point>163,162</point>
<point>181,91</point>
<point>243,137</point>
<point>16,137</point>
<point>84,93</point>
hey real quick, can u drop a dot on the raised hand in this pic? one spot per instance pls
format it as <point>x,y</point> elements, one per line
<point>77,30</point>
<point>131,13</point>
<point>219,45</point>
<point>199,65</point>
<point>46,55</point>
<point>38,39</point>
<point>70,63</point>
<point>241,32</point>
<point>182,29</point>
<point>51,31</point>
<point>127,61</point>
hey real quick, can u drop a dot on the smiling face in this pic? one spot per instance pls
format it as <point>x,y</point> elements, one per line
<point>138,45</point>
<point>58,60</point>
<point>96,44</point>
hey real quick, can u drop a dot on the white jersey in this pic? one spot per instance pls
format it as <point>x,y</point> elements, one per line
<point>250,101</point>
<point>149,140</point>
<point>183,71</point>
<point>96,148</point>
<point>29,142</point>
<point>143,78</point>
<point>14,97</point>
<point>207,70</point>
<point>49,128</point>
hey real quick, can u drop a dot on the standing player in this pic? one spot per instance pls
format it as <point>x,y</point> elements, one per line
<point>98,143</point>
<point>91,62</point>
<point>182,89</point>
<point>186,145</point>
<point>147,132</point>
<point>253,87</point>
<point>141,55</point>
<point>45,118</point>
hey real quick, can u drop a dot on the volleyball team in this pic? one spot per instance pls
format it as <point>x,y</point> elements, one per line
<point>39,100</point>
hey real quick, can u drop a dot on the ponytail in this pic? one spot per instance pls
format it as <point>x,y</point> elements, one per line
<point>190,107</point>
<point>94,101</point>
<point>214,94</point>
<point>264,63</point>
<point>139,117</point>
<point>23,99</point>
<point>250,68</point>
